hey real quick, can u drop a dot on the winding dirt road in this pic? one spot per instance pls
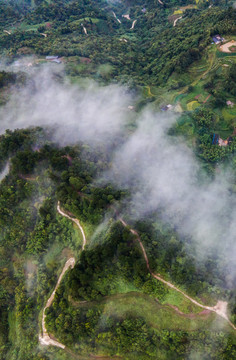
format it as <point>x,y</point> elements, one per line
<point>116,17</point>
<point>45,338</point>
<point>220,308</point>
<point>177,20</point>
<point>85,30</point>
<point>76,221</point>
<point>133,23</point>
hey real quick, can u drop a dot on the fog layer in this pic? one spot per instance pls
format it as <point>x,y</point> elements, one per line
<point>94,115</point>
<point>162,173</point>
<point>160,170</point>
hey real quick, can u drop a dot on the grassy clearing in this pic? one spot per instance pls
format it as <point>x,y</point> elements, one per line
<point>123,287</point>
<point>80,21</point>
<point>183,304</point>
<point>53,253</point>
<point>156,315</point>
<point>229,113</point>
<point>26,27</point>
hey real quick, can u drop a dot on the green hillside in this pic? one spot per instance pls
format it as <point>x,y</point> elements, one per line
<point>137,286</point>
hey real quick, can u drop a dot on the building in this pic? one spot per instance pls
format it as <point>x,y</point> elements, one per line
<point>51,57</point>
<point>167,107</point>
<point>217,39</point>
<point>56,61</point>
<point>230,103</point>
<point>215,139</point>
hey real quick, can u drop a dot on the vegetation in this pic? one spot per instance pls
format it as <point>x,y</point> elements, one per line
<point>109,304</point>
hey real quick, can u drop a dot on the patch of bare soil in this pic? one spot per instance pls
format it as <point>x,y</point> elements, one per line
<point>226,47</point>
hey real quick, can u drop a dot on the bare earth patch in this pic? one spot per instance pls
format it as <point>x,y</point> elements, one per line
<point>226,47</point>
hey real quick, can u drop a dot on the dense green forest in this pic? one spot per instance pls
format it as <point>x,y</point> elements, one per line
<point>110,305</point>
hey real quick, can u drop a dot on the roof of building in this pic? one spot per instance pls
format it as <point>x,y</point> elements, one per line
<point>215,139</point>
<point>51,57</point>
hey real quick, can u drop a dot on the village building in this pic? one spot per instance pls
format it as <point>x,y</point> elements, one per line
<point>166,107</point>
<point>217,39</point>
<point>52,57</point>
<point>222,142</point>
<point>215,139</point>
<point>230,103</point>
<point>57,61</point>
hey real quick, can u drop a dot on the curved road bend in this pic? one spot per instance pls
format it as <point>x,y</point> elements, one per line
<point>45,338</point>
<point>220,308</point>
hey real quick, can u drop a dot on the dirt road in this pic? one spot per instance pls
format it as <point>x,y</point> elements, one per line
<point>134,22</point>
<point>177,20</point>
<point>116,17</point>
<point>85,30</point>
<point>76,221</point>
<point>44,338</point>
<point>220,308</point>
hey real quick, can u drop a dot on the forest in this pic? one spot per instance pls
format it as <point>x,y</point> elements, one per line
<point>110,305</point>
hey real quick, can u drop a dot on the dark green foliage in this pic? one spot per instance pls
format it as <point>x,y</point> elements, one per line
<point>157,50</point>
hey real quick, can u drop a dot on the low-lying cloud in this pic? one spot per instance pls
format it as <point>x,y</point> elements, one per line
<point>95,115</point>
<point>160,170</point>
<point>163,174</point>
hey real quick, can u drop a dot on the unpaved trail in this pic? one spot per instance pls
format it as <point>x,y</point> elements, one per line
<point>220,308</point>
<point>206,98</point>
<point>177,20</point>
<point>76,221</point>
<point>7,32</point>
<point>160,2</point>
<point>116,17</point>
<point>45,339</point>
<point>190,316</point>
<point>45,35</point>
<point>126,17</point>
<point>85,30</point>
<point>134,22</point>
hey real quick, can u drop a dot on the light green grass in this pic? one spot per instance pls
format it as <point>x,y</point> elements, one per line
<point>123,286</point>
<point>27,27</point>
<point>175,298</point>
<point>156,315</point>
